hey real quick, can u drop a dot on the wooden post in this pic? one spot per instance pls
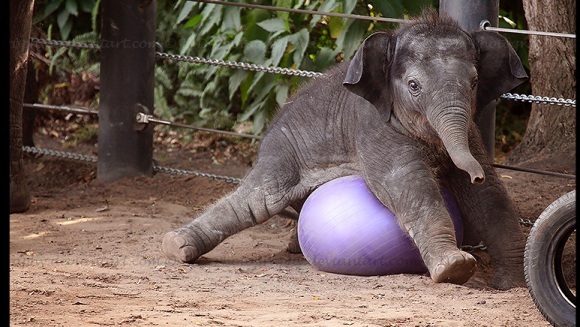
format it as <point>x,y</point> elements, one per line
<point>469,15</point>
<point>127,82</point>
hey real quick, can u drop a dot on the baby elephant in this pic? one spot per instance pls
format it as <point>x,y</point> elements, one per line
<point>401,115</point>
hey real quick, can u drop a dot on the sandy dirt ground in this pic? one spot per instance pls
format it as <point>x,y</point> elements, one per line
<point>88,254</point>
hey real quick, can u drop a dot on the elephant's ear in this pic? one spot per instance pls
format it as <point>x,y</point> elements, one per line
<point>499,67</point>
<point>366,73</point>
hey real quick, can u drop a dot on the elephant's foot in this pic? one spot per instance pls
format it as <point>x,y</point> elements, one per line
<point>455,267</point>
<point>178,245</point>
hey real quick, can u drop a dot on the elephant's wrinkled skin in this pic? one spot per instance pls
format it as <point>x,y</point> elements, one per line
<point>400,114</point>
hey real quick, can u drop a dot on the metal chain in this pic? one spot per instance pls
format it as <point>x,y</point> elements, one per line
<point>471,248</point>
<point>539,99</point>
<point>286,71</point>
<point>172,171</point>
<point>69,44</point>
<point>181,172</point>
<point>227,179</point>
<point>240,65</point>
<point>156,168</point>
<point>61,154</point>
<point>527,222</point>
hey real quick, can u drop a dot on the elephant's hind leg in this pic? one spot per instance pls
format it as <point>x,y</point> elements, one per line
<point>259,197</point>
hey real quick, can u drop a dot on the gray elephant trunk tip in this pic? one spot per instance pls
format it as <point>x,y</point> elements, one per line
<point>471,166</point>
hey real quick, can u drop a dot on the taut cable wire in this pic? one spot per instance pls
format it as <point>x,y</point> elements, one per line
<point>486,25</point>
<point>306,12</point>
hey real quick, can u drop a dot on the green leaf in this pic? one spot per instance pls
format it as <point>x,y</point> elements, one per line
<point>162,78</point>
<point>193,21</point>
<point>189,43</point>
<point>184,11</point>
<point>66,29</point>
<point>261,86</point>
<point>255,51</point>
<point>221,51</point>
<point>325,58</point>
<point>86,5</point>
<point>391,9</point>
<point>237,39</point>
<point>300,41</point>
<point>231,23</point>
<point>281,94</point>
<point>95,15</point>
<point>212,15</point>
<point>245,88</point>
<point>327,6</point>
<point>278,50</point>
<point>284,4</point>
<point>235,81</point>
<point>72,7</point>
<point>65,23</point>
<point>353,37</point>
<point>251,29</point>
<point>335,26</point>
<point>349,6</point>
<point>299,4</point>
<point>273,25</point>
<point>61,19</point>
<point>51,7</point>
<point>249,112</point>
<point>259,121</point>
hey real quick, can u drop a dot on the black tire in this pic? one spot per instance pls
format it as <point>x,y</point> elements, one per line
<point>543,261</point>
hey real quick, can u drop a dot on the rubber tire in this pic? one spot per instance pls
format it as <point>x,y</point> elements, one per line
<point>543,261</point>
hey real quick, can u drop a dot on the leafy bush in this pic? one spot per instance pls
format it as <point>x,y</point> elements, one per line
<point>235,99</point>
<point>67,14</point>
<point>226,97</point>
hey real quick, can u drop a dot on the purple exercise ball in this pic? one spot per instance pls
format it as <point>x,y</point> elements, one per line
<point>344,229</point>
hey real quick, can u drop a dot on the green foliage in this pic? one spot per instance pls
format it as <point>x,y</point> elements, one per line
<point>65,61</point>
<point>225,98</point>
<point>66,14</point>
<point>86,133</point>
<point>512,117</point>
<point>269,38</point>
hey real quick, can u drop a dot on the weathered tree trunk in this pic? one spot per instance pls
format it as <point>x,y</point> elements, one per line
<point>20,25</point>
<point>551,130</point>
<point>31,92</point>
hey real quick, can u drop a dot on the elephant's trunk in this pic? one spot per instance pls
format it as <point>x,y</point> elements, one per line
<point>452,125</point>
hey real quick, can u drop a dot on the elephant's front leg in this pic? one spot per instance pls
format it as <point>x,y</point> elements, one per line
<point>413,195</point>
<point>489,216</point>
<point>259,197</point>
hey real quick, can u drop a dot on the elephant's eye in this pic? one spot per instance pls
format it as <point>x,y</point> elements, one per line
<point>474,83</point>
<point>414,87</point>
